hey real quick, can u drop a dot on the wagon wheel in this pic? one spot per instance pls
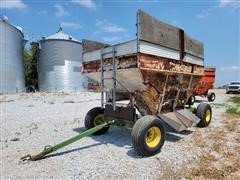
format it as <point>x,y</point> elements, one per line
<point>191,100</point>
<point>148,135</point>
<point>95,117</point>
<point>211,97</point>
<point>204,112</point>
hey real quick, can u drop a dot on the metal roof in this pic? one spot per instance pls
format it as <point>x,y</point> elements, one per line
<point>60,35</point>
<point>4,20</point>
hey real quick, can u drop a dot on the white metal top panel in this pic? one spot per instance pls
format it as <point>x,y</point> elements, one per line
<point>125,48</point>
<point>157,50</point>
<point>144,47</point>
<point>193,59</point>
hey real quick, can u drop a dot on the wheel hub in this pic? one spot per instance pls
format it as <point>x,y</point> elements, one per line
<point>208,115</point>
<point>153,137</point>
<point>99,119</point>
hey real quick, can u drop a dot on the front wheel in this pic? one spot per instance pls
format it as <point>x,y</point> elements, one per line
<point>148,135</point>
<point>93,118</point>
<point>204,112</point>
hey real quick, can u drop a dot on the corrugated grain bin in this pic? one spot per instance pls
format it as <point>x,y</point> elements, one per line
<point>11,58</point>
<point>60,64</point>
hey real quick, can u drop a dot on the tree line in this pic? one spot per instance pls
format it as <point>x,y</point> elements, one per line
<point>30,65</point>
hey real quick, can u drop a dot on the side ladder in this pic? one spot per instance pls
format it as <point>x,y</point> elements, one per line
<point>112,78</point>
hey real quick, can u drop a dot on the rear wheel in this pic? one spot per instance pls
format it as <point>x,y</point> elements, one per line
<point>204,112</point>
<point>191,100</point>
<point>148,135</point>
<point>211,97</point>
<point>93,118</point>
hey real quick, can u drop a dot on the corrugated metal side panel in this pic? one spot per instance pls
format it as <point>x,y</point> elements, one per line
<point>157,50</point>
<point>56,65</point>
<point>129,47</point>
<point>193,59</point>
<point>11,59</point>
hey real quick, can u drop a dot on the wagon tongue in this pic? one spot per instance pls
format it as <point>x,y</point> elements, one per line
<point>180,120</point>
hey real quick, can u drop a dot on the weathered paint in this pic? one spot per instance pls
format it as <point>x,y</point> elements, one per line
<point>206,82</point>
<point>162,85</point>
<point>156,100</point>
<point>157,32</point>
<point>128,80</point>
<point>169,65</point>
<point>123,62</point>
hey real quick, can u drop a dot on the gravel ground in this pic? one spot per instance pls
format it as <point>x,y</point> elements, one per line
<point>31,121</point>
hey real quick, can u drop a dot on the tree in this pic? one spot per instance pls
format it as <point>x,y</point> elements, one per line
<point>30,65</point>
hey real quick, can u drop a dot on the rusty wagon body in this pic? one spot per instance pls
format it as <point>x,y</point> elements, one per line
<point>157,72</point>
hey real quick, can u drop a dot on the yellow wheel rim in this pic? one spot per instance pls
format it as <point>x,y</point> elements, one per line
<point>153,137</point>
<point>208,115</point>
<point>99,119</point>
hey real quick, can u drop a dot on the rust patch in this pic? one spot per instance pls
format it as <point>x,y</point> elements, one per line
<point>149,101</point>
<point>165,64</point>
<point>182,78</point>
<point>123,62</point>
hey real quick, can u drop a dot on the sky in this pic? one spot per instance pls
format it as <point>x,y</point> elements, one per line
<point>215,23</point>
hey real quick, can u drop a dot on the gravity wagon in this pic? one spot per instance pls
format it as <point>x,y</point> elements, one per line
<point>157,73</point>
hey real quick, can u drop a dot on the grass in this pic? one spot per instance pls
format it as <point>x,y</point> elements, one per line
<point>235,100</point>
<point>234,108</point>
<point>219,105</point>
<point>221,161</point>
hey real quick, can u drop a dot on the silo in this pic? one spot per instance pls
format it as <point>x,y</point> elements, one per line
<point>11,58</point>
<point>60,64</point>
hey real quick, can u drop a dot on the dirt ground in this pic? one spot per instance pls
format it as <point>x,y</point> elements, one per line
<point>31,121</point>
<point>221,152</point>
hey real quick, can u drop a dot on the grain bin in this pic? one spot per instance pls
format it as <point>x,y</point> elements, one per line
<point>11,58</point>
<point>60,64</point>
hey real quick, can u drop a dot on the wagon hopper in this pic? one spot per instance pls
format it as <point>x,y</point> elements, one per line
<point>157,72</point>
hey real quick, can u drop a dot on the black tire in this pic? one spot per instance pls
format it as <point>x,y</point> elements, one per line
<point>141,130</point>
<point>191,100</point>
<point>89,121</point>
<point>203,111</point>
<point>211,97</point>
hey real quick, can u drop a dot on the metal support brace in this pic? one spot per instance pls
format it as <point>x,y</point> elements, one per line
<point>163,94</point>
<point>178,91</point>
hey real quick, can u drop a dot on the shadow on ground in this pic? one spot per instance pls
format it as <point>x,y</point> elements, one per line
<point>121,137</point>
<point>70,151</point>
